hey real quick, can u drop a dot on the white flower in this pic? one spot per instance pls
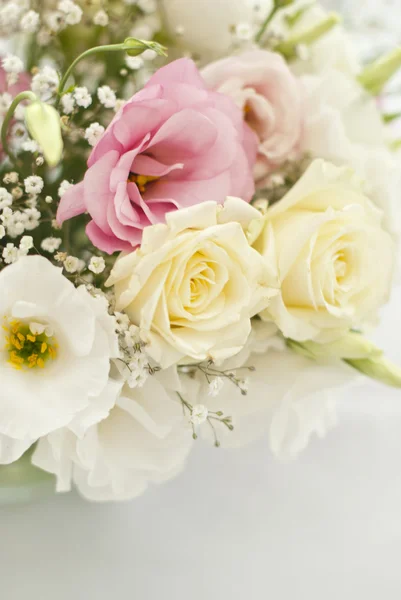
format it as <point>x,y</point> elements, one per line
<point>10,254</point>
<point>9,16</point>
<point>33,184</point>
<point>144,440</point>
<point>72,264</point>
<point>12,64</point>
<point>68,103</point>
<point>2,232</point>
<point>334,259</point>
<point>31,217</point>
<point>342,124</point>
<point>122,322</point>
<point>101,18</point>
<point>30,21</point>
<point>5,198</point>
<point>11,177</point>
<point>97,264</point>
<point>209,31</point>
<point>45,83</point>
<point>134,62</point>
<point>215,386</point>
<point>30,146</point>
<point>216,282</point>
<point>137,371</point>
<point>199,414</point>
<point>64,186</point>
<point>51,244</point>
<point>26,244</point>
<point>72,11</point>
<point>82,97</point>
<point>60,377</point>
<point>93,133</point>
<point>106,96</point>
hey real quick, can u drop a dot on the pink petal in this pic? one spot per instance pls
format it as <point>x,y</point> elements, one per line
<point>97,189</point>
<point>71,204</point>
<point>182,70</point>
<point>105,242</point>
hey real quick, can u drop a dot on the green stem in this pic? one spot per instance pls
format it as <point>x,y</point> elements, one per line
<point>90,52</point>
<point>132,46</point>
<point>265,23</point>
<point>7,120</point>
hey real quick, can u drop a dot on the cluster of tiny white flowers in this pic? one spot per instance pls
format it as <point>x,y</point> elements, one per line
<point>72,264</point>
<point>64,186</point>
<point>30,22</point>
<point>101,18</point>
<point>134,363</point>
<point>134,62</point>
<point>93,133</point>
<point>97,265</point>
<point>51,244</point>
<point>33,184</point>
<point>45,82</point>
<point>82,97</point>
<point>73,13</point>
<point>13,66</point>
<point>67,103</point>
<point>199,414</point>
<point>12,253</point>
<point>107,96</point>
<point>215,386</point>
<point>10,15</point>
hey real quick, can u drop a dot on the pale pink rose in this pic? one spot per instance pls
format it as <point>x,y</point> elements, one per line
<point>269,96</point>
<point>173,145</point>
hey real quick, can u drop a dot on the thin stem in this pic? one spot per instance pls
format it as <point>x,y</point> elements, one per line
<point>7,120</point>
<point>265,23</point>
<point>90,52</point>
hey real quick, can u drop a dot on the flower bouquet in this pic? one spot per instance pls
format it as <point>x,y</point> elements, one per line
<point>198,227</point>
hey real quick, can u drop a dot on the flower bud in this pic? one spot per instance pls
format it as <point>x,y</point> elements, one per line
<point>375,76</point>
<point>43,123</point>
<point>378,368</point>
<point>306,37</point>
<point>351,346</point>
<point>134,47</point>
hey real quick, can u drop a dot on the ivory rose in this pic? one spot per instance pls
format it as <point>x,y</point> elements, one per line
<point>173,144</point>
<point>269,96</point>
<point>195,283</point>
<point>334,259</point>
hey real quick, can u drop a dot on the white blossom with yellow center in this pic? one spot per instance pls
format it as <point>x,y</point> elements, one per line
<point>56,342</point>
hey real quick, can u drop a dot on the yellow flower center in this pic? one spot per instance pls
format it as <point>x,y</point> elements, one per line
<point>28,346</point>
<point>141,181</point>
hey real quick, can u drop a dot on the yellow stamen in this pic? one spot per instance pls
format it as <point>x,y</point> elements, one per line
<point>26,350</point>
<point>141,181</point>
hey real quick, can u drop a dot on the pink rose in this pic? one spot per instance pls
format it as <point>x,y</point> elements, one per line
<point>174,144</point>
<point>269,96</point>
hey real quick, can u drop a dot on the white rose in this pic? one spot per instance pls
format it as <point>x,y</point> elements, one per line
<point>145,439</point>
<point>334,259</point>
<point>205,26</point>
<point>343,124</point>
<point>56,342</point>
<point>195,283</point>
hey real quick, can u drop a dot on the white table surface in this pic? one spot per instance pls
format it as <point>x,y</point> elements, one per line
<point>237,525</point>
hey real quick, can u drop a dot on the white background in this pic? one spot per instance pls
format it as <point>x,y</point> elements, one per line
<point>236,525</point>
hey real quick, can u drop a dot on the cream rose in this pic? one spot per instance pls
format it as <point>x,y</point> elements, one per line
<point>194,284</point>
<point>334,259</point>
